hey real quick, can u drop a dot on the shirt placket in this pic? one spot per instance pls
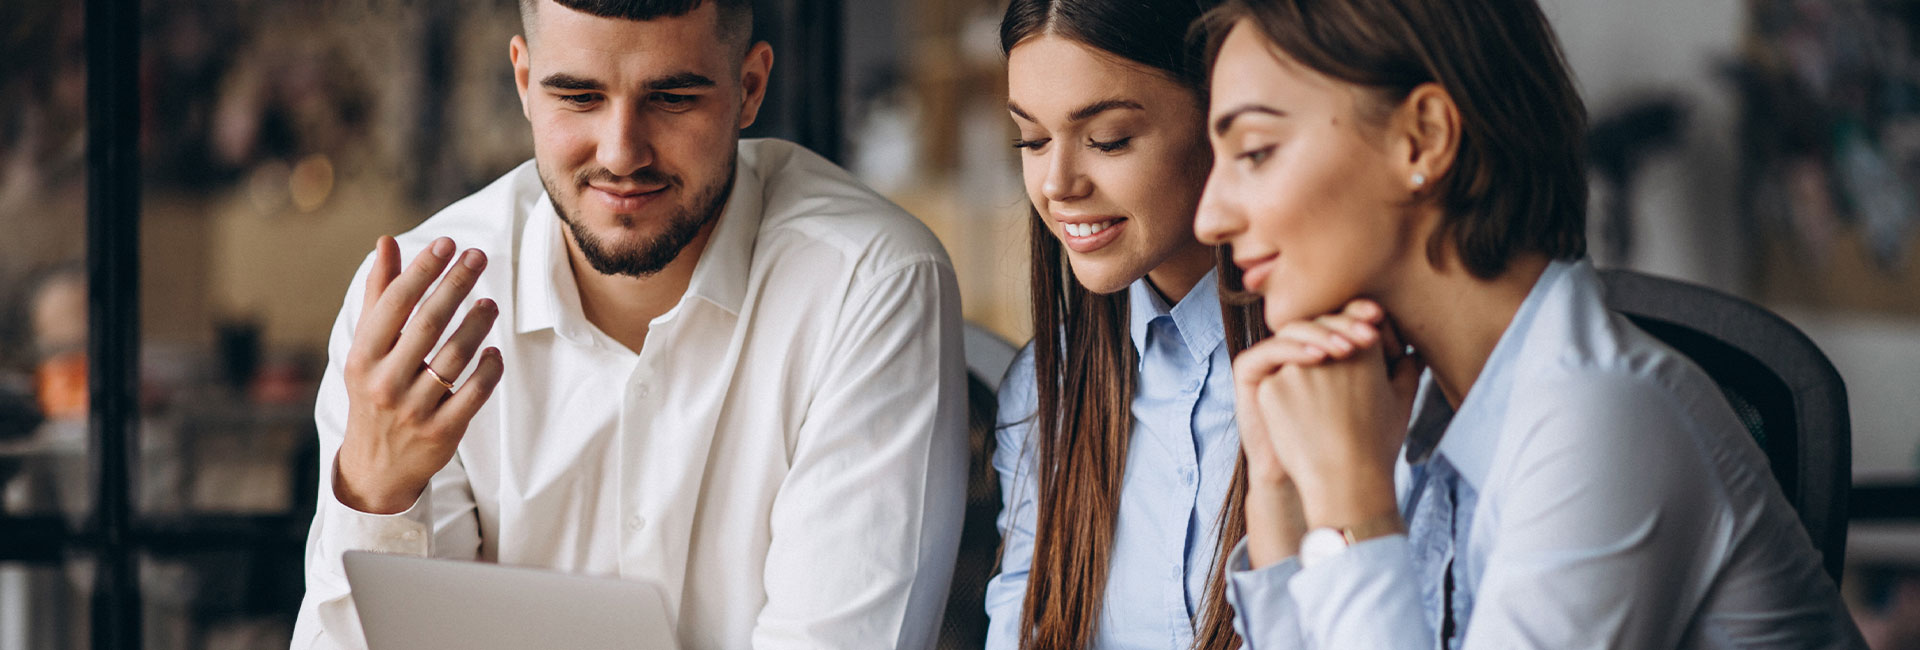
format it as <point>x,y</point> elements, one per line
<point>1460,596</point>
<point>1431,533</point>
<point>635,405</point>
<point>1196,381</point>
<point>1167,344</point>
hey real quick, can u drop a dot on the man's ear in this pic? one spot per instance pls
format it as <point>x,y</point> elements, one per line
<point>522,58</point>
<point>754,70</point>
<point>1429,128</point>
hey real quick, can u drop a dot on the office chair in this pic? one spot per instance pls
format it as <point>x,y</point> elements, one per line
<point>965,626</point>
<point>1779,383</point>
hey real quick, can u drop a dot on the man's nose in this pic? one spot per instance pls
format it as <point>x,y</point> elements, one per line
<point>624,146</point>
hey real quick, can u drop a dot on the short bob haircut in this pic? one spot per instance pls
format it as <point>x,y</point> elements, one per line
<point>1518,183</point>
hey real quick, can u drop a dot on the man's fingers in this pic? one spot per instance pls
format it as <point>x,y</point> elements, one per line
<point>386,265</point>
<point>452,359</point>
<point>423,331</point>
<point>458,411</point>
<point>380,326</point>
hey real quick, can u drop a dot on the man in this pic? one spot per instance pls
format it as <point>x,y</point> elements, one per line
<point>720,365</point>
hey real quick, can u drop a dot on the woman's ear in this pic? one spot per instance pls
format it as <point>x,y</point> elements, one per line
<point>1429,123</point>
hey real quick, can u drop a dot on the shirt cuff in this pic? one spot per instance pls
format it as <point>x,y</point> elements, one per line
<point>1263,610</point>
<point>402,533</point>
<point>1365,596</point>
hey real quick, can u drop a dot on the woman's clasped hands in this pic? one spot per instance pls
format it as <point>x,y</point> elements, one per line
<point>1323,406</point>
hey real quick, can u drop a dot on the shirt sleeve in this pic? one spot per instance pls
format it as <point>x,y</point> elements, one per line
<point>866,526</point>
<point>1007,591</point>
<point>1595,539</point>
<point>440,523</point>
<point>1611,524</point>
<point>1364,597</point>
<point>1614,517</point>
<point>1264,614</point>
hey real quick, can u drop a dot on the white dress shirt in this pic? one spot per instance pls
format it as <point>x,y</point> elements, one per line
<point>1594,490</point>
<point>785,456</point>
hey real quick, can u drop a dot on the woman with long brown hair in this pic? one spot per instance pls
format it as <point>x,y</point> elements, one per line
<point>1477,453</point>
<point>1117,463</point>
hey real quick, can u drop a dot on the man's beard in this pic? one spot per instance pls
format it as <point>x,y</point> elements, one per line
<point>650,256</point>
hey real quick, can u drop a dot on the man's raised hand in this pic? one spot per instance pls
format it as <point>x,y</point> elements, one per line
<point>405,417</point>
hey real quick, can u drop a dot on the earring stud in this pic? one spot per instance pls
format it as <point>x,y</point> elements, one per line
<point>1419,180</point>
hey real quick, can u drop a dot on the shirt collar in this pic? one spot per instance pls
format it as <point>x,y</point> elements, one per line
<point>1197,316</point>
<point>548,297</point>
<point>544,290</point>
<point>1469,436</point>
<point>722,275</point>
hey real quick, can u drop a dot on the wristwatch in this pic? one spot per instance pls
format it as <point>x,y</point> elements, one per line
<point>1325,543</point>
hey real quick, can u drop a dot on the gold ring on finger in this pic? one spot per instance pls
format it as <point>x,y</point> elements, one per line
<point>437,378</point>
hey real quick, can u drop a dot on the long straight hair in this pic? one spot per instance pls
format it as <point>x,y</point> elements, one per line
<point>1085,363</point>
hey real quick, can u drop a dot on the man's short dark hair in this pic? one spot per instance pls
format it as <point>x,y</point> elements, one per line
<point>735,16</point>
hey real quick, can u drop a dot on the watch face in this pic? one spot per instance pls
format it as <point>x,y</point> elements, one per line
<point>1320,544</point>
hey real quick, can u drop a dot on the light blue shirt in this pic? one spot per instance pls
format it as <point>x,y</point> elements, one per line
<point>1594,490</point>
<point>1180,462</point>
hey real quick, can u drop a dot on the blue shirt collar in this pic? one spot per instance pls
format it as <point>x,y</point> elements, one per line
<point>1469,436</point>
<point>1197,316</point>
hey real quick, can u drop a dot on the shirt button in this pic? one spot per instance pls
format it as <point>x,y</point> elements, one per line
<point>643,391</point>
<point>636,522</point>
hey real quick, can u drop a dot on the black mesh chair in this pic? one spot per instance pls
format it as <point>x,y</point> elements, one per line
<point>1779,383</point>
<point>965,625</point>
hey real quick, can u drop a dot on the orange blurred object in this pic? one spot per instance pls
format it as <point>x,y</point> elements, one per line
<point>63,386</point>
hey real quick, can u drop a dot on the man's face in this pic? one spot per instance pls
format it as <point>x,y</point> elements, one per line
<point>634,127</point>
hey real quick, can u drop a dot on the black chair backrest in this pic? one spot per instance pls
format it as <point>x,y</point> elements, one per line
<point>965,625</point>
<point>1779,383</point>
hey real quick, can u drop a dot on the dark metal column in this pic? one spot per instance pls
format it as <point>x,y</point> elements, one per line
<point>804,96</point>
<point>113,281</point>
<point>817,114</point>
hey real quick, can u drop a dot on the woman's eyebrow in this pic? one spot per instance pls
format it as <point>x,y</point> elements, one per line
<point>1086,112</point>
<point>1016,110</point>
<point>1225,121</point>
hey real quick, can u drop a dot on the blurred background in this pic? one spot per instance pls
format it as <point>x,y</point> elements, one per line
<point>1767,148</point>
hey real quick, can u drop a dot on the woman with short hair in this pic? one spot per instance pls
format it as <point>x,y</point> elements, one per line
<point>1477,453</point>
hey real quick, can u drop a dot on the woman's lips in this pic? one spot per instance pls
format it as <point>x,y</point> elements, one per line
<point>1254,273</point>
<point>1089,236</point>
<point>625,201</point>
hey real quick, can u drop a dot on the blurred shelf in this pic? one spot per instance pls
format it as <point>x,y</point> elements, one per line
<point>1884,544</point>
<point>1885,502</point>
<point>47,539</point>
<point>1885,524</point>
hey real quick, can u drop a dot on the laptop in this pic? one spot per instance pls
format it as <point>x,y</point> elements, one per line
<point>413,603</point>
